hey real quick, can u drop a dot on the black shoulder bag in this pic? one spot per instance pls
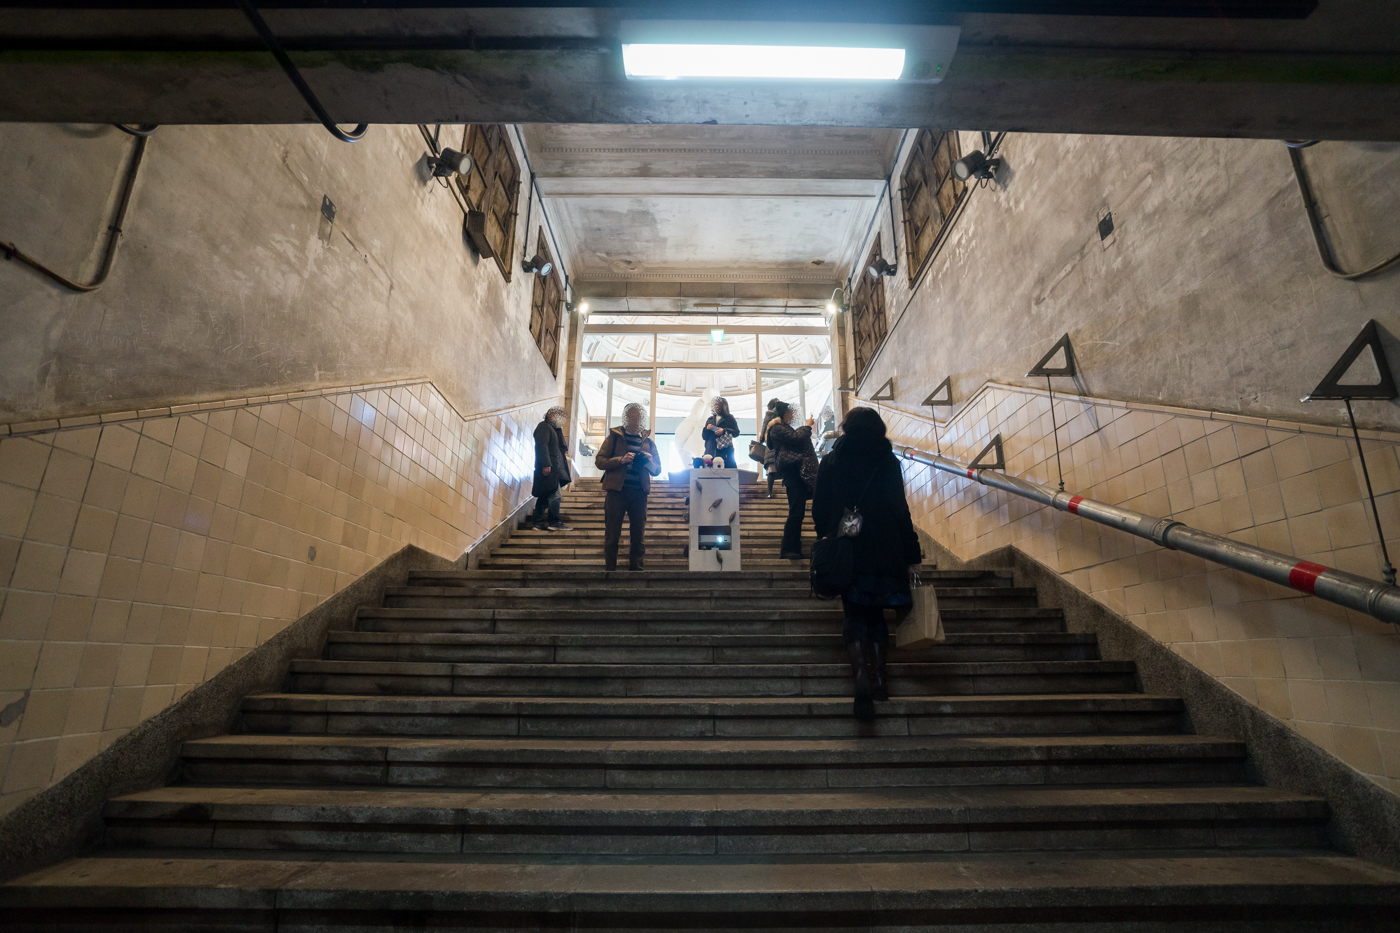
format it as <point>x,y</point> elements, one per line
<point>833,567</point>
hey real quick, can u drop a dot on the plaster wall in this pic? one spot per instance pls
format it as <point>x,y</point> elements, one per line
<point>229,281</point>
<point>257,408</point>
<point>1209,294</point>
<point>1197,328</point>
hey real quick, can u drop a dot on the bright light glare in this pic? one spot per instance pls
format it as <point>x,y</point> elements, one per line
<point>762,61</point>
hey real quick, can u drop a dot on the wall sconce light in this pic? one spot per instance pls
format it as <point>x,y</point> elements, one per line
<point>880,268</point>
<point>835,303</point>
<point>976,165</point>
<point>537,264</point>
<point>583,308</point>
<point>450,162</point>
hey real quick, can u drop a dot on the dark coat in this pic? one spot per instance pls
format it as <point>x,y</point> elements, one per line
<point>609,460</point>
<point>792,447</point>
<point>712,436</point>
<point>549,452</point>
<point>887,543</point>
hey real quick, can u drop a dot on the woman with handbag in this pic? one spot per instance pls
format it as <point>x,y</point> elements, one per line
<point>769,458</point>
<point>720,430</point>
<point>797,464</point>
<point>860,495</point>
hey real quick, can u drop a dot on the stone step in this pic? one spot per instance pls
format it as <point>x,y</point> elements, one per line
<point>747,578</point>
<point>702,717</point>
<point>424,678</point>
<point>714,764</point>
<point>1307,891</point>
<point>735,598</point>
<point>879,821</point>
<point>819,618</point>
<point>687,649</point>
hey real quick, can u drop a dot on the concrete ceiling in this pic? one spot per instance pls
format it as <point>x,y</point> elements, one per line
<point>701,203</point>
<point>1264,68</point>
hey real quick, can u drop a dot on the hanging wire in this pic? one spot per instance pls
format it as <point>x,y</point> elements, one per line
<point>283,59</point>
<point>114,231</point>
<point>1389,569</point>
<point>1324,252</point>
<point>1055,430</point>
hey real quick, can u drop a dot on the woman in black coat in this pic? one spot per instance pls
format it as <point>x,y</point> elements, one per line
<point>551,470</point>
<point>797,465</point>
<point>862,472</point>
<point>720,430</point>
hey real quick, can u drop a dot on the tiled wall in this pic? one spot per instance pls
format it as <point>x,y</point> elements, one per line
<point>141,556</point>
<point>1330,673</point>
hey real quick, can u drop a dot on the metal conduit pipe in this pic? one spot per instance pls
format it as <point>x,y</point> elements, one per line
<point>1372,597</point>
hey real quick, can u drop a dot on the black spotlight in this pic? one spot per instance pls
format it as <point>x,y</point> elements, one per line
<point>537,264</point>
<point>880,268</point>
<point>450,162</point>
<point>976,165</point>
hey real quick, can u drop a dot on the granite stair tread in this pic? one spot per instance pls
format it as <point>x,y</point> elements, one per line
<point>1281,884</point>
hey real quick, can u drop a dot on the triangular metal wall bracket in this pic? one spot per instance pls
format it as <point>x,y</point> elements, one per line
<point>849,384</point>
<point>946,386</point>
<point>1000,464</point>
<point>1331,388</point>
<point>1069,369</point>
<point>885,393</point>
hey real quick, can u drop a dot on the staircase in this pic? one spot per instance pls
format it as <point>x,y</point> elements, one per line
<point>537,745</point>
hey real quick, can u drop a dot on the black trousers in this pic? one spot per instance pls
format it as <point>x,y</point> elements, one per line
<point>797,509</point>
<point>864,624</point>
<point>632,502</point>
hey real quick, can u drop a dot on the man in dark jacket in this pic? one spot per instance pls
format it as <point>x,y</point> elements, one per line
<point>628,459</point>
<point>551,470</point>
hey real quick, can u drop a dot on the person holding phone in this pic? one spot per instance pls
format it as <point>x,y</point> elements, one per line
<point>629,459</point>
<point>720,430</point>
<point>797,465</point>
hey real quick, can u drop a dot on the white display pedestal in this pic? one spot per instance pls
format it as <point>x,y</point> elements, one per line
<point>714,520</point>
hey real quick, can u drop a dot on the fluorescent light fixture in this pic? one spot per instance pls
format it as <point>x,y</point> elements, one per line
<point>701,49</point>
<point>717,335</point>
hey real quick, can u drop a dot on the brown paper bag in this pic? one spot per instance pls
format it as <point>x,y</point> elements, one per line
<point>923,626</point>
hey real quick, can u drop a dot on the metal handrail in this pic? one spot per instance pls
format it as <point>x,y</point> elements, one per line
<point>1336,586</point>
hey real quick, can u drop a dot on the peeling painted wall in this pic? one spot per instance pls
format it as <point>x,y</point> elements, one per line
<point>1209,294</point>
<point>229,282</point>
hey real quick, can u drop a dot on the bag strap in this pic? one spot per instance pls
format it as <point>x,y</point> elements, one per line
<point>865,488</point>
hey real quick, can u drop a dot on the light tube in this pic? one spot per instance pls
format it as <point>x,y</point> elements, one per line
<point>811,62</point>
<point>717,49</point>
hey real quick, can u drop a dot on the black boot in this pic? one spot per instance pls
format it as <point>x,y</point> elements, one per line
<point>864,709</point>
<point>880,682</point>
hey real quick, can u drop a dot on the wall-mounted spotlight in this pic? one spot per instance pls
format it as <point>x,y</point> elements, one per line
<point>450,162</point>
<point>880,268</point>
<point>976,165</point>
<point>537,264</point>
<point>835,303</point>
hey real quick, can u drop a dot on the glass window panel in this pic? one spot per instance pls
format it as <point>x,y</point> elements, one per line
<point>617,348</point>
<point>784,348</point>
<point>660,321</point>
<point>700,348</point>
